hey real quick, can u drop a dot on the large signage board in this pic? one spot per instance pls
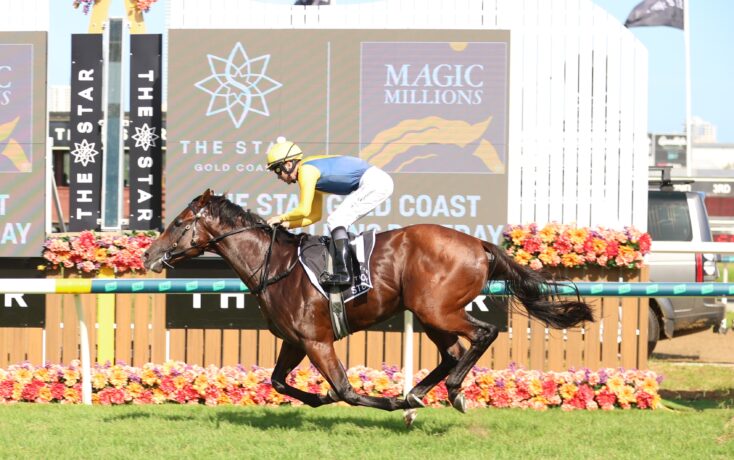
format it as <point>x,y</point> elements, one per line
<point>22,142</point>
<point>428,106</point>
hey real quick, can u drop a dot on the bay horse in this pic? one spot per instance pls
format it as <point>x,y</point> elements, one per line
<point>431,270</point>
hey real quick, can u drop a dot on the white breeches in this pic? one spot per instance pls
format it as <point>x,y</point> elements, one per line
<point>375,187</point>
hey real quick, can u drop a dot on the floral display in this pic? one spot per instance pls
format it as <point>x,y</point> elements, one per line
<point>559,245</point>
<point>85,4</point>
<point>89,253</point>
<point>179,383</point>
<point>142,5</point>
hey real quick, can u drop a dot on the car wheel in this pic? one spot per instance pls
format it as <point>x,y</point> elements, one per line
<point>653,331</point>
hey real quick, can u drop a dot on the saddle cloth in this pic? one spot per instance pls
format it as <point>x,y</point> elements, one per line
<point>312,255</point>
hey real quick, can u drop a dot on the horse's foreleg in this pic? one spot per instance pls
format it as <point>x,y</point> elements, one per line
<point>323,356</point>
<point>481,335</point>
<point>451,351</point>
<point>288,358</point>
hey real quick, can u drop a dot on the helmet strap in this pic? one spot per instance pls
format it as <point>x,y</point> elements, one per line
<point>288,171</point>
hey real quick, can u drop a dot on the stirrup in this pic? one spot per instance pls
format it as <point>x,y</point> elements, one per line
<point>335,279</point>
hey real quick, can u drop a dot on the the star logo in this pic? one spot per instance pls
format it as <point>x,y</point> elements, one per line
<point>145,137</point>
<point>238,85</point>
<point>84,152</point>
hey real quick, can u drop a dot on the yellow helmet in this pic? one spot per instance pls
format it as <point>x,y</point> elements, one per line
<point>283,151</point>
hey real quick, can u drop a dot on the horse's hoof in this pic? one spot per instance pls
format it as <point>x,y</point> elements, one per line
<point>332,394</point>
<point>409,416</point>
<point>460,403</point>
<point>414,401</point>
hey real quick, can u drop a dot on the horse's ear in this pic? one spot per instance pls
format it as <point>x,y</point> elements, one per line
<point>206,196</point>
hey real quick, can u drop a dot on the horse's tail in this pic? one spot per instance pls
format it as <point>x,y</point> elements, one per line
<point>533,290</point>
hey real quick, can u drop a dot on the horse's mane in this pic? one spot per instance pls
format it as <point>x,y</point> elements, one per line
<point>233,216</point>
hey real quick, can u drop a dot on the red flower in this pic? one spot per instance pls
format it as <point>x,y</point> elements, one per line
<point>31,390</point>
<point>57,391</point>
<point>644,400</point>
<point>562,245</point>
<point>532,244</point>
<point>644,243</point>
<point>549,389</point>
<point>606,397</point>
<point>612,249</point>
<point>6,389</point>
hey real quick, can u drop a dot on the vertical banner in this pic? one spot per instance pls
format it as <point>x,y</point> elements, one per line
<point>144,140</point>
<point>85,181</point>
<point>22,142</point>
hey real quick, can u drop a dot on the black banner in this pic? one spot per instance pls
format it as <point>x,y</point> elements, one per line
<point>85,181</point>
<point>145,128</point>
<point>21,310</point>
<point>210,311</point>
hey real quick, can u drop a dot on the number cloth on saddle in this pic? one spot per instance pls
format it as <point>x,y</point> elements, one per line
<point>312,255</point>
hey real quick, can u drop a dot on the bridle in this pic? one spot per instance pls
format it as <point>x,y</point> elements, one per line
<point>170,254</point>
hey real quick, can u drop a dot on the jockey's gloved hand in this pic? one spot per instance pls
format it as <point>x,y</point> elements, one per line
<point>273,221</point>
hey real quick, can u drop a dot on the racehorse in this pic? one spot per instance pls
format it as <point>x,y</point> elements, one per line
<point>431,270</point>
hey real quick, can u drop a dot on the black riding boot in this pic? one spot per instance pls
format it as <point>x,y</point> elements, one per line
<point>341,276</point>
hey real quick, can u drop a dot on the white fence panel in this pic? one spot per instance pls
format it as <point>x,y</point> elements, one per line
<point>613,154</point>
<point>530,132</point>
<point>556,57</point>
<point>26,15</point>
<point>626,124</point>
<point>639,187</point>
<point>583,215</point>
<point>570,112</point>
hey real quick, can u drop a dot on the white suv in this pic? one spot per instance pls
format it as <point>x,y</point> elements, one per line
<point>680,216</point>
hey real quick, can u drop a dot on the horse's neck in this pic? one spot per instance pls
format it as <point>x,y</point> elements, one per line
<point>246,252</point>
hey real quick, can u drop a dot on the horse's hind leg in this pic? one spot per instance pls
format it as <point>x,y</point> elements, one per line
<point>480,335</point>
<point>451,351</point>
<point>288,358</point>
<point>323,356</point>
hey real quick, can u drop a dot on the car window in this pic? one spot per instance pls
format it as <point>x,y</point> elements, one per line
<point>668,218</point>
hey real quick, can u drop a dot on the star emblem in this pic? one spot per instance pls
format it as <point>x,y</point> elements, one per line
<point>145,137</point>
<point>238,85</point>
<point>84,152</point>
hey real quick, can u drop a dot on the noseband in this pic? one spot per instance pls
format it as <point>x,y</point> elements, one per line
<point>264,280</point>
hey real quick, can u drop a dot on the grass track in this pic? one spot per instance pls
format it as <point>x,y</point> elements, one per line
<point>172,431</point>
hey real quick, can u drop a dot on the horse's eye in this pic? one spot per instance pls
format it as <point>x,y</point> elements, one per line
<point>177,223</point>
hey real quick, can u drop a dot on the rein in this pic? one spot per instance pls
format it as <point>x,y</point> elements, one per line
<point>264,280</point>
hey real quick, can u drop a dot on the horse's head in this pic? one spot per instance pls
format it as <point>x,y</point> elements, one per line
<point>183,239</point>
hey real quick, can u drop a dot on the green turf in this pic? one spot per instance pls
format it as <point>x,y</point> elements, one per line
<point>172,431</point>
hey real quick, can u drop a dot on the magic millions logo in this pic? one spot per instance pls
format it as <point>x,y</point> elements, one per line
<point>434,106</point>
<point>238,85</point>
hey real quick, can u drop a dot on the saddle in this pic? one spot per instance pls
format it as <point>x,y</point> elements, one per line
<point>315,255</point>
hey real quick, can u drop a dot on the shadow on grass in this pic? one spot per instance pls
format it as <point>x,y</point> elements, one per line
<point>327,421</point>
<point>272,418</point>
<point>697,402</point>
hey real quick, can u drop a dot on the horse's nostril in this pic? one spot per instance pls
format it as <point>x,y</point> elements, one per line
<point>146,255</point>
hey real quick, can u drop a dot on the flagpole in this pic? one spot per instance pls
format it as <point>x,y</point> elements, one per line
<point>687,45</point>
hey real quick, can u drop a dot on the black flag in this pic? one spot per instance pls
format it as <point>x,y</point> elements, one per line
<point>657,13</point>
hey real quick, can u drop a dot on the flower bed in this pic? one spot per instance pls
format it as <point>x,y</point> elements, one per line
<point>177,382</point>
<point>559,245</point>
<point>89,253</point>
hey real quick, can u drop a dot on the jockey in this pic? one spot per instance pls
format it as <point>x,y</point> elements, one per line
<point>364,185</point>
